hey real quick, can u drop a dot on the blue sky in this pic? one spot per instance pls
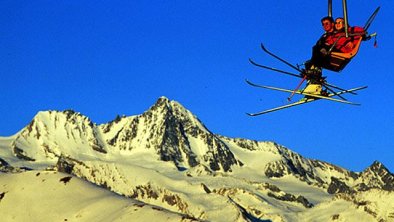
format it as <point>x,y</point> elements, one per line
<point>104,58</point>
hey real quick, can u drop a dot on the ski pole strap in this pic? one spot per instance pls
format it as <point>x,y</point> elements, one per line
<point>375,43</point>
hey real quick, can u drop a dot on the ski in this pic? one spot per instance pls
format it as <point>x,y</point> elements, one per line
<point>329,97</point>
<point>303,101</point>
<point>280,59</point>
<point>273,69</point>
<point>331,90</point>
<point>326,84</point>
<point>371,18</point>
<point>282,107</point>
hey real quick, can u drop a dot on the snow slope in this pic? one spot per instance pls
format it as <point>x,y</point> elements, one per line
<point>53,196</point>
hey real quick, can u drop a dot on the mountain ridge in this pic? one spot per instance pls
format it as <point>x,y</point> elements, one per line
<point>167,157</point>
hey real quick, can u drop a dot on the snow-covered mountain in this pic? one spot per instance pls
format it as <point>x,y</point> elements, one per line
<point>167,158</point>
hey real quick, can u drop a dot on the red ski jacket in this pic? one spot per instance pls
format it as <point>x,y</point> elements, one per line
<point>344,44</point>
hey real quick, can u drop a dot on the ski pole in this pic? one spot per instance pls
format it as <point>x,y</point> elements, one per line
<point>299,85</point>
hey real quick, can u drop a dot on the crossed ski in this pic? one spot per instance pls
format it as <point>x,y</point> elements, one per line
<point>303,101</point>
<point>309,97</point>
<point>328,97</point>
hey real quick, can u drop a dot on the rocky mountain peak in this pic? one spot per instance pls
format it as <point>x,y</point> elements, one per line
<point>377,176</point>
<point>172,132</point>
<point>164,105</point>
<point>162,102</point>
<point>173,111</point>
<point>376,166</point>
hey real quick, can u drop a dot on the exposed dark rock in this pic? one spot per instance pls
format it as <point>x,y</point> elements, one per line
<point>206,189</point>
<point>98,148</point>
<point>291,198</point>
<point>24,169</point>
<point>337,186</point>
<point>174,141</point>
<point>247,216</point>
<point>335,217</point>
<point>108,126</point>
<point>304,201</point>
<point>145,191</point>
<point>246,144</point>
<point>171,199</point>
<point>65,180</point>
<point>65,165</point>
<point>5,167</point>
<point>276,169</point>
<point>271,187</point>
<point>21,154</point>
<point>361,187</point>
<point>2,195</point>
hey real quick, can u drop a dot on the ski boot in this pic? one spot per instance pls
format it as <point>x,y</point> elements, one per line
<point>313,88</point>
<point>311,71</point>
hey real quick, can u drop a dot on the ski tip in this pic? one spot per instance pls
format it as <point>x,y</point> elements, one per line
<point>352,103</point>
<point>250,114</point>
<point>361,88</point>
<point>250,83</point>
<point>254,63</point>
